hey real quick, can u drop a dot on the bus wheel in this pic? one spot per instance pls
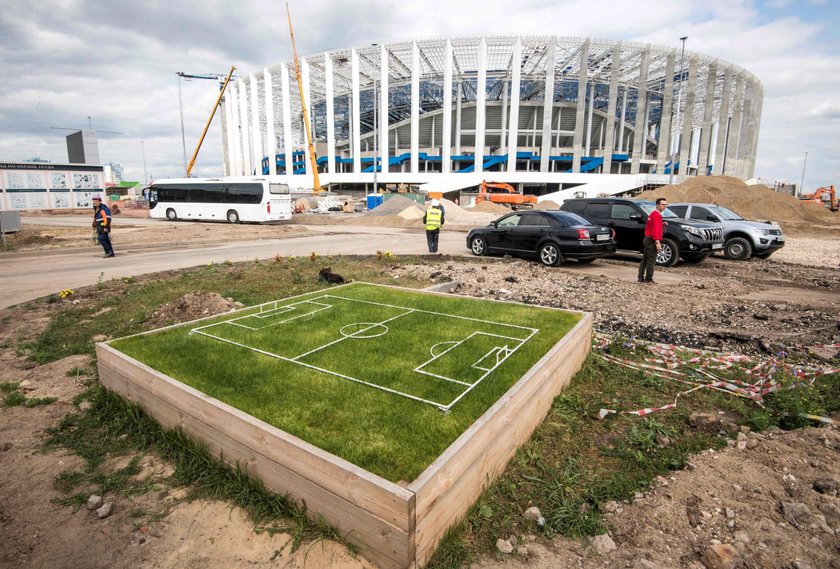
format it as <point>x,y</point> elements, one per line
<point>170,214</point>
<point>232,216</point>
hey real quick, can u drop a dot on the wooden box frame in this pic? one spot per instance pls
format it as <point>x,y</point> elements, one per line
<point>396,526</point>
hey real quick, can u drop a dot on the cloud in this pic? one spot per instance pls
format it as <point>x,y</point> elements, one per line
<point>116,62</point>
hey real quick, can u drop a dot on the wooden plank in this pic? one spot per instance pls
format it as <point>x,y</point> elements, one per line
<point>360,487</point>
<point>447,489</point>
<point>384,544</point>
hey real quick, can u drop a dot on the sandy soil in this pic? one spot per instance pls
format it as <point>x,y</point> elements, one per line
<point>738,497</point>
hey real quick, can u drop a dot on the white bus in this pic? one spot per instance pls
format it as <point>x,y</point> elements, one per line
<point>217,199</point>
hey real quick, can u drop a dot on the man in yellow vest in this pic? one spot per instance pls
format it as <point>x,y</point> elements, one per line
<point>433,220</point>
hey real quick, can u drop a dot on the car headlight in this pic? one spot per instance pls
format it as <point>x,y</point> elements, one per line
<point>691,229</point>
<point>765,232</point>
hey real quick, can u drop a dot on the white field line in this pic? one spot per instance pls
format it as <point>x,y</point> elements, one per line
<point>495,351</point>
<point>273,312</point>
<point>233,321</point>
<point>328,372</point>
<point>474,385</point>
<point>296,358</point>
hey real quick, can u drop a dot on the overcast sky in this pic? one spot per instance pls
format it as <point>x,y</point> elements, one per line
<point>66,61</point>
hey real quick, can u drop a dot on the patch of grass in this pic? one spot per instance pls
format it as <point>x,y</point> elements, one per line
<point>114,428</point>
<point>392,436</point>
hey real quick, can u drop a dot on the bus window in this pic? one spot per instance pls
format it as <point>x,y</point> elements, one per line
<point>244,193</point>
<point>209,193</point>
<point>278,189</point>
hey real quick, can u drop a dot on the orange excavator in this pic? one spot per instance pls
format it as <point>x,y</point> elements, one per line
<point>832,203</point>
<point>508,196</point>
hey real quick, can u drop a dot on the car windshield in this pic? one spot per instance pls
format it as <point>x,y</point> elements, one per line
<point>725,213</point>
<point>649,207</point>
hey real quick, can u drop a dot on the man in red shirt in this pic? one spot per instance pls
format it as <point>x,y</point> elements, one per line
<point>652,242</point>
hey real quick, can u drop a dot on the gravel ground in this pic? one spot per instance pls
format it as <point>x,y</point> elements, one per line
<point>813,251</point>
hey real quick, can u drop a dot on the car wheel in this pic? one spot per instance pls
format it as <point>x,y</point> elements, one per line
<point>696,257</point>
<point>232,216</point>
<point>478,246</point>
<point>764,254</point>
<point>171,215</point>
<point>669,254</point>
<point>585,261</point>
<point>550,255</point>
<point>737,249</point>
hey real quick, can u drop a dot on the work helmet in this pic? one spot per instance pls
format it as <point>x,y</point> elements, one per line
<point>434,202</point>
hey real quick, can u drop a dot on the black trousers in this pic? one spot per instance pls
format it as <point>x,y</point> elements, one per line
<point>105,240</point>
<point>432,239</point>
<point>648,259</point>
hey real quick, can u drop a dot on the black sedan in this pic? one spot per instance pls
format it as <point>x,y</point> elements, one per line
<point>551,236</point>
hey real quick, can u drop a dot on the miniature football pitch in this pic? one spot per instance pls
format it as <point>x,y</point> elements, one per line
<point>385,378</point>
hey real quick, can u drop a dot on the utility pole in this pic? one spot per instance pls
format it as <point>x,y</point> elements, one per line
<point>143,150</point>
<point>181,108</point>
<point>675,139</point>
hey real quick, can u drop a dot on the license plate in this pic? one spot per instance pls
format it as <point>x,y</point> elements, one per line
<point>602,237</point>
<point>717,245</point>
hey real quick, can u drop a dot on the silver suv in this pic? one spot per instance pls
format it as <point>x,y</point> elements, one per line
<point>742,238</point>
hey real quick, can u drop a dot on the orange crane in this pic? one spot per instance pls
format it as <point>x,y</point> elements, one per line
<point>508,196</point>
<point>832,203</point>
<point>312,159</point>
<point>209,120</point>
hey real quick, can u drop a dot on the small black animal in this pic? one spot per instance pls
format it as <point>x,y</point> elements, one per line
<point>327,275</point>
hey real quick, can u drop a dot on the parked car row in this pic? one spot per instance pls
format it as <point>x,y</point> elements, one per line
<point>589,228</point>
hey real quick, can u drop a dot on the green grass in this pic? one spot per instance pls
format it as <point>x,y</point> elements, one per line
<point>12,396</point>
<point>387,434</point>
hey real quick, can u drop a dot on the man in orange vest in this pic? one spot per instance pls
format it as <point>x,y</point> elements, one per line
<point>102,225</point>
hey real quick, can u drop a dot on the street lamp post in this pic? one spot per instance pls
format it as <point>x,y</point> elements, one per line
<point>143,150</point>
<point>675,139</point>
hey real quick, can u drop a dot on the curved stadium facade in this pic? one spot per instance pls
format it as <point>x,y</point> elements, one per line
<point>547,112</point>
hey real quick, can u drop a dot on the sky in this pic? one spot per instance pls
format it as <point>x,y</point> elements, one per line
<point>71,64</point>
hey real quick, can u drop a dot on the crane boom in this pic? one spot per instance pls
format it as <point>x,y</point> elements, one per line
<point>312,159</point>
<point>209,120</point>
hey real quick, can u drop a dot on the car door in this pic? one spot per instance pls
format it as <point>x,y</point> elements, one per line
<point>529,231</point>
<point>500,238</point>
<point>629,224</point>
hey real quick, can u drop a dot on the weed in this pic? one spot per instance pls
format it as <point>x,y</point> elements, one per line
<point>14,399</point>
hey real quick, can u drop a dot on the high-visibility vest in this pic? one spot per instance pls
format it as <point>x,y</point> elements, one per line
<point>433,217</point>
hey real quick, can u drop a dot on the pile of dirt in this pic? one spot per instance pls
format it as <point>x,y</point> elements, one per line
<point>752,202</point>
<point>191,306</point>
<point>488,207</point>
<point>547,205</point>
<point>395,206</point>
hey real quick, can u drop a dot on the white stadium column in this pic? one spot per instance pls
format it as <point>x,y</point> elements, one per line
<point>328,72</point>
<point>708,109</point>
<point>256,131</point>
<point>446,145</point>
<point>723,122</point>
<point>548,105</point>
<point>663,145</point>
<point>246,145</point>
<point>230,161</point>
<point>270,135</point>
<point>583,77</point>
<point>640,130</point>
<point>288,137</point>
<point>688,117</point>
<point>515,86</point>
<point>458,96</point>
<point>480,105</point>
<point>609,135</point>
<point>384,75</point>
<point>735,127</point>
<point>415,108</point>
<point>356,115</point>
<point>236,115</point>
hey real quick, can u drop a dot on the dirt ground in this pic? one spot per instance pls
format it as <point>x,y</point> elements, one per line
<point>758,497</point>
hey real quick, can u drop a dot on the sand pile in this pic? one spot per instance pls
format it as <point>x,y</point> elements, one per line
<point>751,202</point>
<point>488,207</point>
<point>394,206</point>
<point>547,205</point>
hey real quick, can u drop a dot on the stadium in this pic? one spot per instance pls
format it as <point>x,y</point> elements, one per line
<point>543,113</point>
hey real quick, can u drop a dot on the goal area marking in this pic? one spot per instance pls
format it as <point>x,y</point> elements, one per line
<point>464,362</point>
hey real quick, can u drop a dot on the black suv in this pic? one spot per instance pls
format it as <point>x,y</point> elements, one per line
<point>687,238</point>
